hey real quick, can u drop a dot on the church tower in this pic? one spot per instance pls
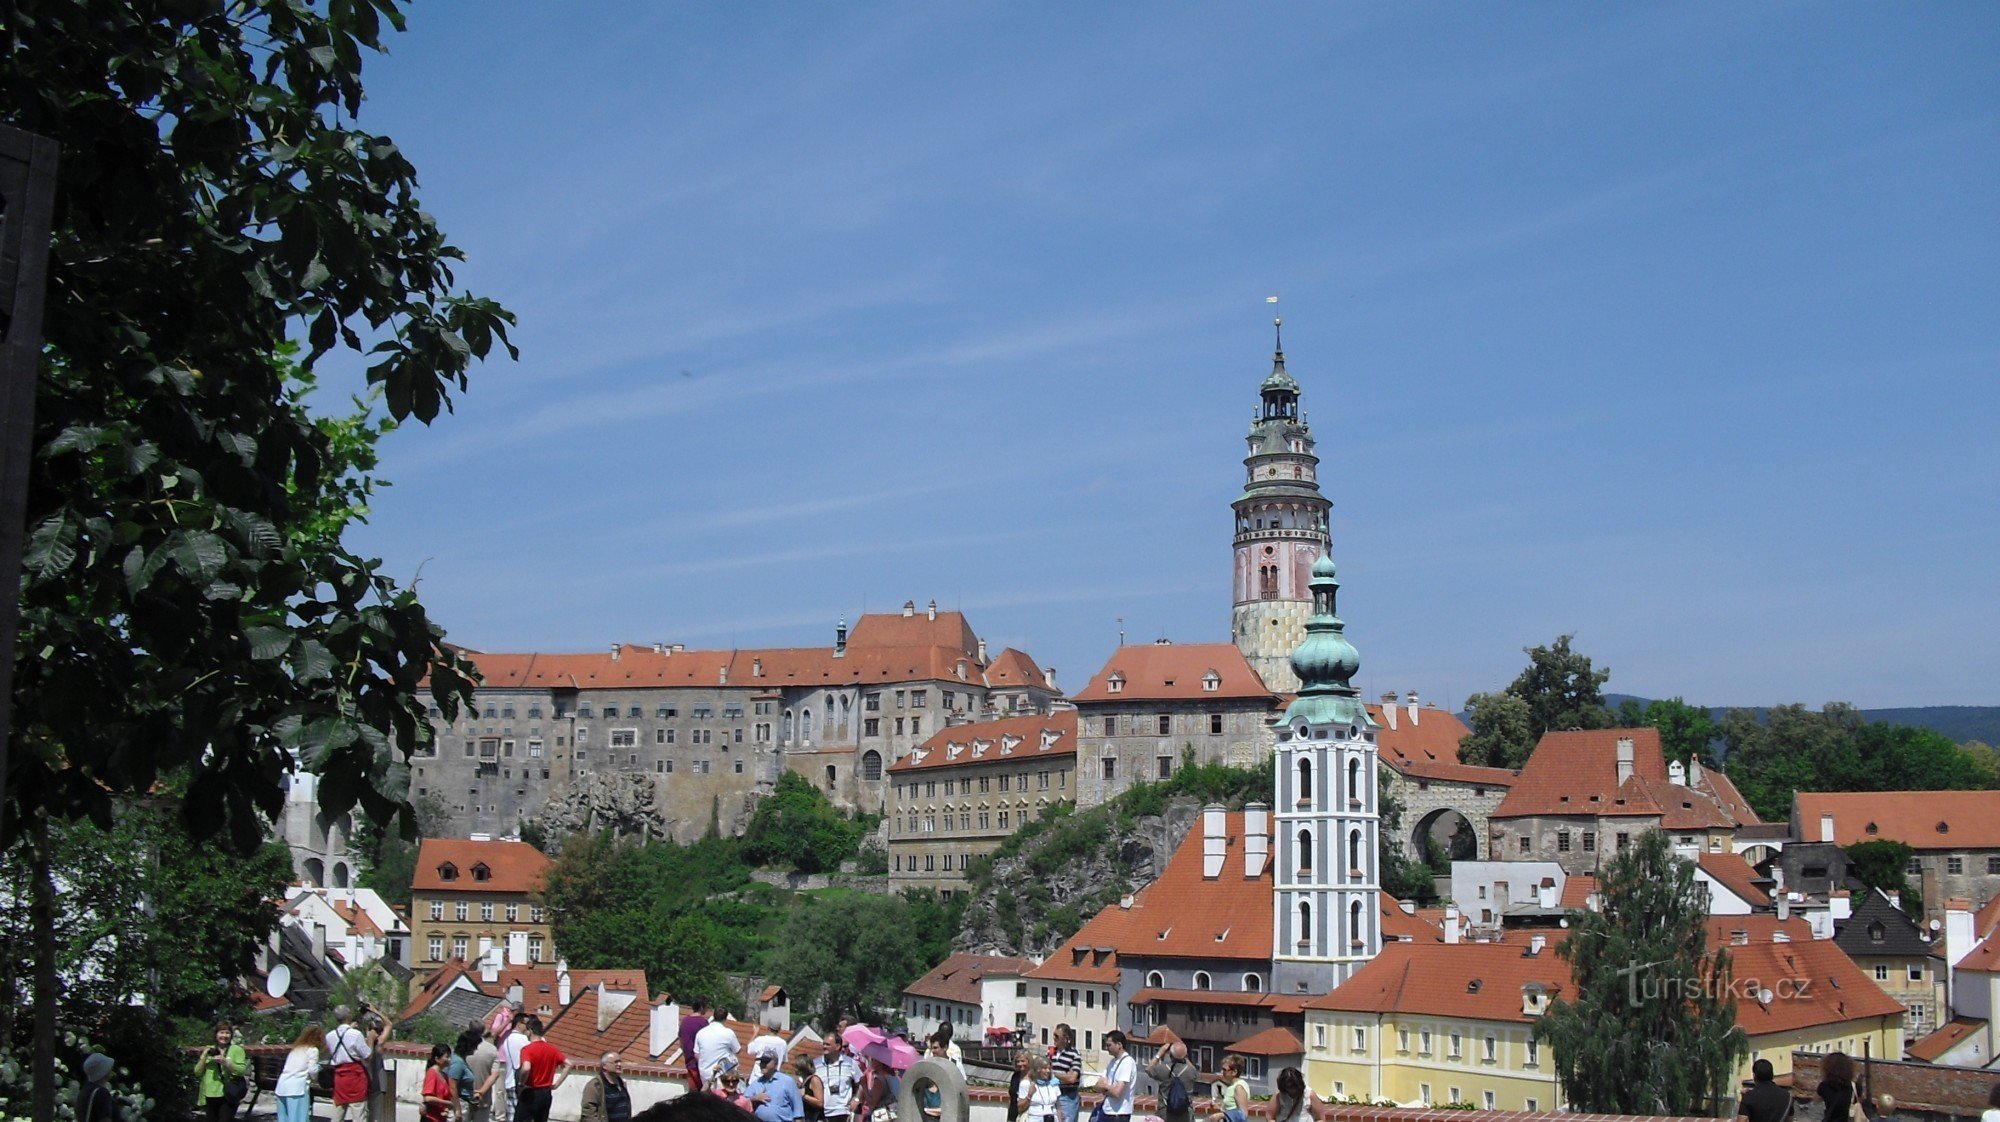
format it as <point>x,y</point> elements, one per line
<point>1327,877</point>
<point>1280,530</point>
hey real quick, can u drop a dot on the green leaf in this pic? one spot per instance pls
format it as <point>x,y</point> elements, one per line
<point>312,661</point>
<point>267,643</point>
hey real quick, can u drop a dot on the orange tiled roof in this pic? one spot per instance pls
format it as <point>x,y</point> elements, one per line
<point>1014,668</point>
<point>1478,981</point>
<point>1427,748</point>
<point>1576,773</point>
<point>1007,740</point>
<point>1271,1042</point>
<point>575,1030</point>
<point>1398,925</point>
<point>1944,1039</point>
<point>1175,672</point>
<point>1986,918</point>
<point>643,667</point>
<point>1812,982</point>
<point>1922,820</point>
<point>514,866</point>
<point>892,629</point>
<point>359,922</point>
<point>1233,921</point>
<point>1760,928</point>
<point>1577,891</point>
<point>1732,872</point>
<point>1984,957</point>
<point>957,978</point>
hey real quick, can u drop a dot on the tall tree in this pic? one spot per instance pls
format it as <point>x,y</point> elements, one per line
<point>796,826</point>
<point>850,956</point>
<point>187,606</point>
<point>1649,1024</point>
<point>1686,731</point>
<point>1559,689</point>
<point>1882,864</point>
<point>1792,748</point>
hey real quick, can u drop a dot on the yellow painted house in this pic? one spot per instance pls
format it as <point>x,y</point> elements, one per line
<point>1437,1023</point>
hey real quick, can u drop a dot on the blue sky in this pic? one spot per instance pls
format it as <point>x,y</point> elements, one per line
<point>1673,326</point>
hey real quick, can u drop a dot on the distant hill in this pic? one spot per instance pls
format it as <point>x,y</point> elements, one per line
<point>1960,722</point>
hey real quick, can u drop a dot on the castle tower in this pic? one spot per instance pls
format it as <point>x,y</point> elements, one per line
<point>1280,530</point>
<point>1327,877</point>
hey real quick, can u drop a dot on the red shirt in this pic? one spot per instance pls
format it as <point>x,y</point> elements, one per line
<point>437,1086</point>
<point>541,1059</point>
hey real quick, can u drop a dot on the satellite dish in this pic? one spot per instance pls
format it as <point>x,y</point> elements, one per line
<point>1764,997</point>
<point>1563,922</point>
<point>1935,924</point>
<point>279,981</point>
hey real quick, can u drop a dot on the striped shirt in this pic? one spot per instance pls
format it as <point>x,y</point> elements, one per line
<point>1062,1062</point>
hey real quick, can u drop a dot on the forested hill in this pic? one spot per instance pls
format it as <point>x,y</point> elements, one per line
<point>1961,723</point>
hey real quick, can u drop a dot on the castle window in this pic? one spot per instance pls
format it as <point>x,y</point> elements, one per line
<point>1215,729</point>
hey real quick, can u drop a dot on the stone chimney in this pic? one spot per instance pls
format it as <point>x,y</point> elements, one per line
<point>1784,906</point>
<point>663,1027</point>
<point>1214,840</point>
<point>1256,839</point>
<point>1624,759</point>
<point>562,984</point>
<point>1415,713</point>
<point>1451,923</point>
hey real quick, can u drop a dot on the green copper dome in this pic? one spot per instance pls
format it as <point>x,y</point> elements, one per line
<point>1325,661</point>
<point>1278,379</point>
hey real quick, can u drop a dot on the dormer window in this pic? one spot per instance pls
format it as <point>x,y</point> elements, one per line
<point>481,873</point>
<point>1211,681</point>
<point>1115,683</point>
<point>447,871</point>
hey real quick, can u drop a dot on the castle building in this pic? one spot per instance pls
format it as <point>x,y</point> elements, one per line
<point>1326,924</point>
<point>968,787</point>
<point>1154,705</point>
<point>1281,529</point>
<point>709,729</point>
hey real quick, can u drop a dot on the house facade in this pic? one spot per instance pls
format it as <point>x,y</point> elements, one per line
<point>1152,706</point>
<point>963,791</point>
<point>1954,836</point>
<point>469,897</point>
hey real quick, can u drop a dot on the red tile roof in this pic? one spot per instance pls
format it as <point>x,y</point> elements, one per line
<point>891,629</point>
<point>1175,672</point>
<point>1427,747</point>
<point>1576,773</point>
<point>1922,820</point>
<point>1480,981</point>
<point>1986,918</point>
<point>1008,740</point>
<point>1732,872</point>
<point>1812,982</point>
<point>1944,1039</point>
<point>1015,668</point>
<point>514,866</point>
<point>1763,928</point>
<point>958,978</point>
<point>575,1031</point>
<point>1577,891</point>
<point>1983,958</point>
<point>1270,1042</point>
<point>1396,924</point>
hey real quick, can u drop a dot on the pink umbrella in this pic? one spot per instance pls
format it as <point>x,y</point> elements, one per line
<point>861,1036</point>
<point>895,1053</point>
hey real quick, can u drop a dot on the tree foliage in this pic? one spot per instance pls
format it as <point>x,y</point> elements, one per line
<point>852,955</point>
<point>1794,749</point>
<point>1559,689</point>
<point>1686,731</point>
<point>1403,877</point>
<point>186,603</point>
<point>1882,864</point>
<point>796,826</point>
<point>1648,1025</point>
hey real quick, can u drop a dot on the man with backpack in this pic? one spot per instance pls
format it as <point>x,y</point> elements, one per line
<point>1176,1076</point>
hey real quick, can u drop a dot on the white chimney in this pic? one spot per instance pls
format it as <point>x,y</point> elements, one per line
<point>1409,907</point>
<point>616,650</point>
<point>1960,934</point>
<point>756,668</point>
<point>1256,839</point>
<point>489,965</point>
<point>663,1028</point>
<point>1826,827</point>
<point>982,651</point>
<point>1414,714</point>
<point>517,948</point>
<point>933,610</point>
<point>562,984</point>
<point>1784,908</point>
<point>516,995</point>
<point>319,942</point>
<point>1214,842</point>
<point>1389,712</point>
<point>1677,774</point>
<point>1049,676</point>
<point>909,608</point>
<point>1841,906</point>
<point>1451,923</point>
<point>1624,758</point>
<point>1545,893</point>
<point>1536,942</point>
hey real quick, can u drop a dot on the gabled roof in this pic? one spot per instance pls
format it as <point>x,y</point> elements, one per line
<point>913,628</point>
<point>1923,820</point>
<point>1232,921</point>
<point>1877,927</point>
<point>1398,925</point>
<point>1008,740</point>
<point>1984,958</point>
<point>958,978</point>
<point>1948,1036</point>
<point>512,866</point>
<point>1576,773</point>
<point>1578,888</point>
<point>575,1030</point>
<point>1013,667</point>
<point>1733,873</point>
<point>1425,746</point>
<point>1176,672</point>
<point>1475,981</point>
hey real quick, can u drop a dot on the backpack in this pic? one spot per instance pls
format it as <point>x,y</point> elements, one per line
<point>1176,1100</point>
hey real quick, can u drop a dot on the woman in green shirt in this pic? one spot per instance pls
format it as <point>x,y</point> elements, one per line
<point>220,1071</point>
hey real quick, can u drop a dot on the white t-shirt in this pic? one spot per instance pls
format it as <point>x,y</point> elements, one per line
<point>842,1078</point>
<point>714,1043</point>
<point>769,1042</point>
<point>510,1056</point>
<point>346,1045</point>
<point>1300,1109</point>
<point>1124,1069</point>
<point>301,1064</point>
